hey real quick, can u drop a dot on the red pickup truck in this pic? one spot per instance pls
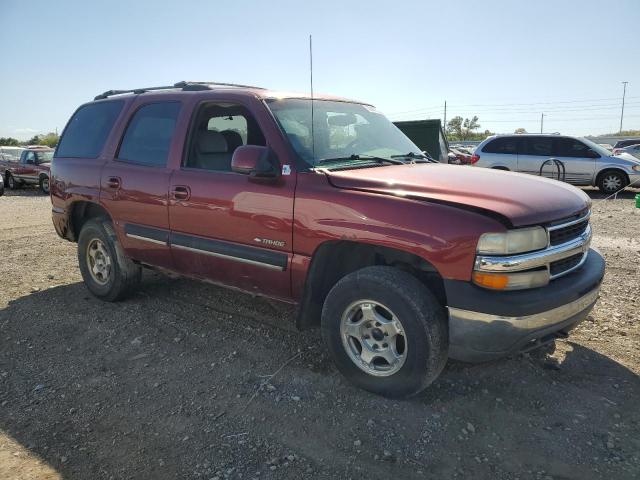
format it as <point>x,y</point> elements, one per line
<point>32,168</point>
<point>325,204</point>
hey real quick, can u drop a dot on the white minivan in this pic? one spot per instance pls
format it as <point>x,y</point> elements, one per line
<point>573,159</point>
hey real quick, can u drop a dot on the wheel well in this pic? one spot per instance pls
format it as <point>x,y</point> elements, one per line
<point>501,168</point>
<point>43,174</point>
<point>336,259</point>
<point>617,170</point>
<point>81,212</point>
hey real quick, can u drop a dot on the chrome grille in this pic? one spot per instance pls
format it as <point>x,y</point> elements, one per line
<point>565,234</point>
<point>561,266</point>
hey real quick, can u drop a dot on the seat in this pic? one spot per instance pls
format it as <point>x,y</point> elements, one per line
<point>234,140</point>
<point>212,151</point>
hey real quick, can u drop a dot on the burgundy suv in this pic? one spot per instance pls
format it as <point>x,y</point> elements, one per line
<point>325,204</point>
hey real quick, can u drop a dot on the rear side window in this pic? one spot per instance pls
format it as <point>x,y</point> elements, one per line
<point>537,146</point>
<point>569,147</point>
<point>149,134</point>
<point>88,129</point>
<point>501,145</point>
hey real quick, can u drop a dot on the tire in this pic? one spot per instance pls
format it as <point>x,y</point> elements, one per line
<point>44,184</point>
<point>107,272</point>
<point>12,183</point>
<point>611,181</point>
<point>421,347</point>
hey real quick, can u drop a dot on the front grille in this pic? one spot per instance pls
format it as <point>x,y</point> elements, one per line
<point>566,234</point>
<point>560,266</point>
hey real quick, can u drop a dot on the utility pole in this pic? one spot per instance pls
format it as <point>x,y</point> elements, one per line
<point>444,126</point>
<point>541,122</point>
<point>624,92</point>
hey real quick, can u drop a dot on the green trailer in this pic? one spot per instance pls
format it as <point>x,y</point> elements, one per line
<point>428,135</point>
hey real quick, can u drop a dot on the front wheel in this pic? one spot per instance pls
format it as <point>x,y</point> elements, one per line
<point>107,272</point>
<point>611,182</point>
<point>385,331</point>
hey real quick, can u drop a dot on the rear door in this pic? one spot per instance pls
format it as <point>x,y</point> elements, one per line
<point>224,226</point>
<point>135,182</point>
<point>533,151</point>
<point>578,159</point>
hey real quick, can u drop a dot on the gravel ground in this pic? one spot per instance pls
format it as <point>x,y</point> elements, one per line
<point>163,386</point>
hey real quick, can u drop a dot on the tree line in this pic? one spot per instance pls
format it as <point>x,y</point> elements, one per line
<point>50,140</point>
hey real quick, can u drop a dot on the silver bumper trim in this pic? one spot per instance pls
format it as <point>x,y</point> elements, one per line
<point>529,322</point>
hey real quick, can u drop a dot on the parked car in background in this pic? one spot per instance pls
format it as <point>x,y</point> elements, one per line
<point>585,162</point>
<point>32,168</point>
<point>10,153</point>
<point>607,146</point>
<point>402,262</point>
<point>627,142</point>
<point>631,150</point>
<point>460,157</point>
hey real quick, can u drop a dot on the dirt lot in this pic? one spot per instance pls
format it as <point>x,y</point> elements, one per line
<point>163,387</point>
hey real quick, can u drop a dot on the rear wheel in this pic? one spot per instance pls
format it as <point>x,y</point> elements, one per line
<point>44,184</point>
<point>612,181</point>
<point>107,272</point>
<point>386,331</point>
<point>12,183</point>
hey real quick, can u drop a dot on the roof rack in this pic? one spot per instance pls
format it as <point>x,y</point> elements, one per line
<point>186,86</point>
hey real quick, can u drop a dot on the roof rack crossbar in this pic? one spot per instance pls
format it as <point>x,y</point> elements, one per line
<point>186,86</point>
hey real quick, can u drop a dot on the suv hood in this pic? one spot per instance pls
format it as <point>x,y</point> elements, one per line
<point>521,199</point>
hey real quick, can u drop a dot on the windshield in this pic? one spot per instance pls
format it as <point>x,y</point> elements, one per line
<point>594,146</point>
<point>44,157</point>
<point>341,130</point>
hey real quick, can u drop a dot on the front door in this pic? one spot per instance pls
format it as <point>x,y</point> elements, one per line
<point>134,184</point>
<point>578,159</point>
<point>224,226</point>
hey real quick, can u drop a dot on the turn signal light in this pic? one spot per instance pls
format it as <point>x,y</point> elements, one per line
<point>474,158</point>
<point>495,281</point>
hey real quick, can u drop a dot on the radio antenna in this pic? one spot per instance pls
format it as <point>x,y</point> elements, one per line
<point>313,141</point>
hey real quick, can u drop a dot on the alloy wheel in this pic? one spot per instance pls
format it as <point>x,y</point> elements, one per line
<point>612,183</point>
<point>373,338</point>
<point>99,261</point>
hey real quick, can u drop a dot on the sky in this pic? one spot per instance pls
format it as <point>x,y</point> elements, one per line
<point>505,61</point>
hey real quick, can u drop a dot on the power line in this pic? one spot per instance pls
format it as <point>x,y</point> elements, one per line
<point>450,106</point>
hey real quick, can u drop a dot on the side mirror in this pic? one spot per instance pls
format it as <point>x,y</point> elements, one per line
<point>260,163</point>
<point>592,154</point>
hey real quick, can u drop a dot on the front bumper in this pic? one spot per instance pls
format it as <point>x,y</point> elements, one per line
<point>485,324</point>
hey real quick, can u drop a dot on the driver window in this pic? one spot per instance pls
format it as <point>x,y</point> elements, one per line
<point>30,157</point>
<point>219,129</point>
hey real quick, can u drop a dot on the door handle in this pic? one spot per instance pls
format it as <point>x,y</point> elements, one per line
<point>113,182</point>
<point>181,192</point>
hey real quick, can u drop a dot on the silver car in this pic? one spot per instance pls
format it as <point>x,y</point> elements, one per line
<point>631,150</point>
<point>584,163</point>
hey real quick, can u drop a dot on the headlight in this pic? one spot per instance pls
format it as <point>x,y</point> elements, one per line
<point>513,241</point>
<point>636,168</point>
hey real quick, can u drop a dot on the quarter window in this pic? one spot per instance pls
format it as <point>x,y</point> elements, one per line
<point>148,137</point>
<point>88,129</point>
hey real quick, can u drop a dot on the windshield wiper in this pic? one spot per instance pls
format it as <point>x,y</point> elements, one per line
<point>416,156</point>
<point>360,157</point>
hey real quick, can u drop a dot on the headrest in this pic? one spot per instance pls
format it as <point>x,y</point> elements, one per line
<point>211,142</point>
<point>233,138</point>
